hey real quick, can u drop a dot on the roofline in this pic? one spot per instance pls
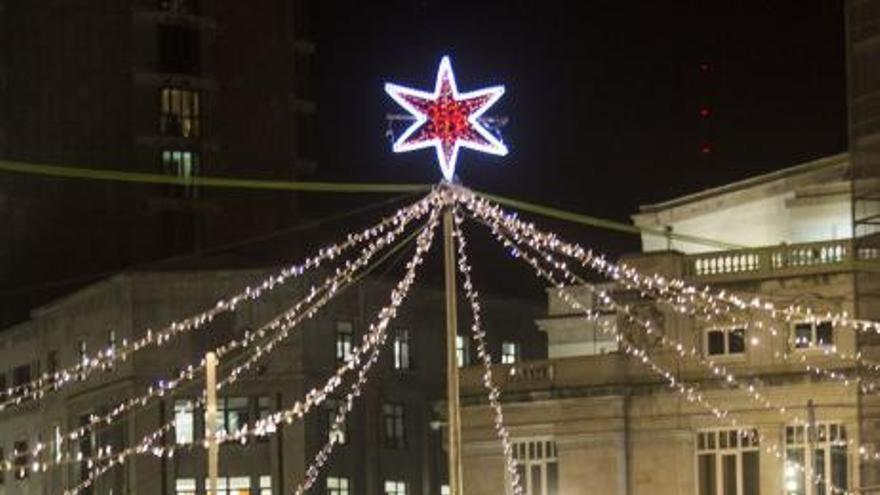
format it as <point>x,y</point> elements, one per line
<point>803,168</point>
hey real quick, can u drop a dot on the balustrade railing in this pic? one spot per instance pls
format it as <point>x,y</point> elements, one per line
<point>771,261</point>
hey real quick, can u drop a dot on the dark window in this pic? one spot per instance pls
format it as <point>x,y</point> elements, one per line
<point>736,341</point>
<point>715,344</point>
<point>304,82</point>
<point>803,335</point>
<point>52,361</point>
<point>179,49</point>
<point>232,413</point>
<point>179,112</point>
<point>393,426</point>
<point>824,333</point>
<point>187,7</point>
<point>304,18</point>
<point>2,471</point>
<point>306,136</point>
<point>21,375</point>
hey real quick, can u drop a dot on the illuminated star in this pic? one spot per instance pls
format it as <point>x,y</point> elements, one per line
<point>447,119</point>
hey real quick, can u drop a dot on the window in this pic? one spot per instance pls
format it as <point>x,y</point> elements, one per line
<point>818,454</point>
<point>57,446</point>
<point>306,135</point>
<point>807,335</point>
<point>184,165</point>
<point>393,487</point>
<point>337,486</point>
<point>265,485</point>
<point>393,426</point>
<point>344,336</point>
<point>21,375</point>
<point>725,341</point>
<point>82,353</point>
<point>510,352</point>
<point>444,490</point>
<point>189,7</point>
<point>232,413</point>
<point>179,49</point>
<point>536,463</point>
<point>727,462</point>
<point>21,462</point>
<point>3,392</point>
<point>184,422</point>
<point>338,433</point>
<point>236,485</point>
<point>461,351</point>
<point>179,112</point>
<point>52,361</point>
<point>401,350</point>
<point>264,410</point>
<point>185,486</point>
<point>304,83</point>
<point>2,471</point>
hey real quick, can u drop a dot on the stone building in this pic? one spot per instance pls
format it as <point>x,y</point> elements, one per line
<point>392,441</point>
<point>591,419</point>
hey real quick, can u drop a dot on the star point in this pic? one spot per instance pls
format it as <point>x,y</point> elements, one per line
<point>446,119</point>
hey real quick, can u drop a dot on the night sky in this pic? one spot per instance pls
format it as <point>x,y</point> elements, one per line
<point>603,97</point>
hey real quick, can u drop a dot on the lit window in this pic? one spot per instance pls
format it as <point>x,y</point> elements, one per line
<point>461,351</point>
<point>725,341</point>
<point>808,335</point>
<point>179,112</point>
<point>337,433</point>
<point>185,486</point>
<point>183,165</point>
<point>184,422</point>
<point>236,485</point>
<point>393,426</point>
<point>510,352</point>
<point>727,461</point>
<point>265,485</point>
<point>393,487</point>
<point>818,453</point>
<point>401,350</point>
<point>344,336</point>
<point>21,462</point>
<point>537,466</point>
<point>444,490</point>
<point>232,413</point>
<point>337,486</point>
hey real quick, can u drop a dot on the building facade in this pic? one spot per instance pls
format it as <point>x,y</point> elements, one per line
<point>594,419</point>
<point>391,443</point>
<point>177,87</point>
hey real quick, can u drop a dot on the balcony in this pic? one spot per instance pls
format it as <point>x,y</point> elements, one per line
<point>773,261</point>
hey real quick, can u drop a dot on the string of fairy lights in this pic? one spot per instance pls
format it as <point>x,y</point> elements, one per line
<point>314,398</point>
<point>691,393</point>
<point>479,335</point>
<point>524,241</point>
<point>104,359</point>
<point>281,324</point>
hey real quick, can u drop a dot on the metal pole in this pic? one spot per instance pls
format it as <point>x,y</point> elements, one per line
<point>455,478</point>
<point>211,420</point>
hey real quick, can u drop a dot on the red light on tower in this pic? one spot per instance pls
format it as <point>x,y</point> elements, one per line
<point>705,148</point>
<point>705,112</point>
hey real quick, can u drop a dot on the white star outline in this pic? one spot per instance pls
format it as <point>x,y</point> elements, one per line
<point>492,146</point>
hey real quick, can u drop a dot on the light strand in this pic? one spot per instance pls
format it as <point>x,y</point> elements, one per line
<point>285,322</point>
<point>314,398</point>
<point>104,359</point>
<point>494,392</point>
